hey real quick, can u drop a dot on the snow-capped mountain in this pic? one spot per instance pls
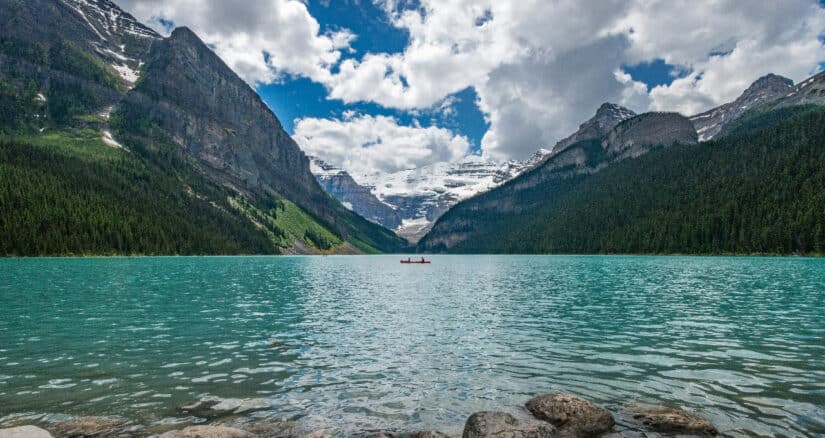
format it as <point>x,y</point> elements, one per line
<point>765,90</point>
<point>417,197</point>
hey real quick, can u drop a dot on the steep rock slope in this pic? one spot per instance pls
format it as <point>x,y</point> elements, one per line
<point>765,90</point>
<point>629,139</point>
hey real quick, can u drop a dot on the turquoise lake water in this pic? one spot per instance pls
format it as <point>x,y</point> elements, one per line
<point>365,343</point>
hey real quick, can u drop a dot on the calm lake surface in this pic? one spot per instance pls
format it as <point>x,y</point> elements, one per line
<point>365,343</point>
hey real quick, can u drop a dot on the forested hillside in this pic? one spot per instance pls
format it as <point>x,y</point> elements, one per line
<point>758,190</point>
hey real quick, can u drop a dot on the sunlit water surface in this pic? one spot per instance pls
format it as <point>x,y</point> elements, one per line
<point>365,343</point>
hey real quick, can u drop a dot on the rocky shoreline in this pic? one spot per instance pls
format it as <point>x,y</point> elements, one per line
<point>552,415</point>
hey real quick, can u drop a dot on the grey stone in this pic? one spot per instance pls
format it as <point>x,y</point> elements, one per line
<point>24,432</point>
<point>504,425</point>
<point>573,416</point>
<point>89,427</point>
<point>669,419</point>
<point>208,432</point>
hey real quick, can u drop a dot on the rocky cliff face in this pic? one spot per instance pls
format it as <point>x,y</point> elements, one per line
<point>636,136</point>
<point>766,89</point>
<point>607,117</point>
<point>355,197</point>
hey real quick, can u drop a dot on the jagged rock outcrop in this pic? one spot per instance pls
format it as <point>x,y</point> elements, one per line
<point>636,136</point>
<point>765,90</point>
<point>607,117</point>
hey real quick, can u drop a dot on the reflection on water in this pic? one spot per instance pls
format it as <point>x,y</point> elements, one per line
<point>365,343</point>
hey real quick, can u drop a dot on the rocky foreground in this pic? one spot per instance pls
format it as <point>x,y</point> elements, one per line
<point>554,415</point>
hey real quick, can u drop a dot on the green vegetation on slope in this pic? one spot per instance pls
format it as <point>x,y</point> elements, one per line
<point>284,223</point>
<point>761,191</point>
<point>79,84</point>
<point>69,194</point>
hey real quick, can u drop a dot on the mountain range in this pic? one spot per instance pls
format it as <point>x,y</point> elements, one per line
<point>70,67</point>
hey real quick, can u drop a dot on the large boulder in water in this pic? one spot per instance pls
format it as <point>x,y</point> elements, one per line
<point>504,425</point>
<point>668,419</point>
<point>24,432</point>
<point>573,416</point>
<point>208,432</point>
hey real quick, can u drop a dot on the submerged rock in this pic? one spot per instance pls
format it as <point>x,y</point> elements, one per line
<point>504,425</point>
<point>212,407</point>
<point>208,432</point>
<point>419,434</point>
<point>425,434</point>
<point>24,432</point>
<point>89,427</point>
<point>668,419</point>
<point>573,416</point>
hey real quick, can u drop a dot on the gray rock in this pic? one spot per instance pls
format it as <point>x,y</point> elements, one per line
<point>667,419</point>
<point>607,117</point>
<point>636,136</point>
<point>765,90</point>
<point>213,407</point>
<point>24,432</point>
<point>319,435</point>
<point>89,427</point>
<point>504,425</point>
<point>208,432</point>
<point>425,434</point>
<point>573,416</point>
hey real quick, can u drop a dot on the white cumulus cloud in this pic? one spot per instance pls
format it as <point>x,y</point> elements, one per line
<point>366,144</point>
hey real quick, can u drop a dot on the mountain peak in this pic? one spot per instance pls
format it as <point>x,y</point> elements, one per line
<point>183,32</point>
<point>607,117</point>
<point>764,90</point>
<point>768,85</point>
